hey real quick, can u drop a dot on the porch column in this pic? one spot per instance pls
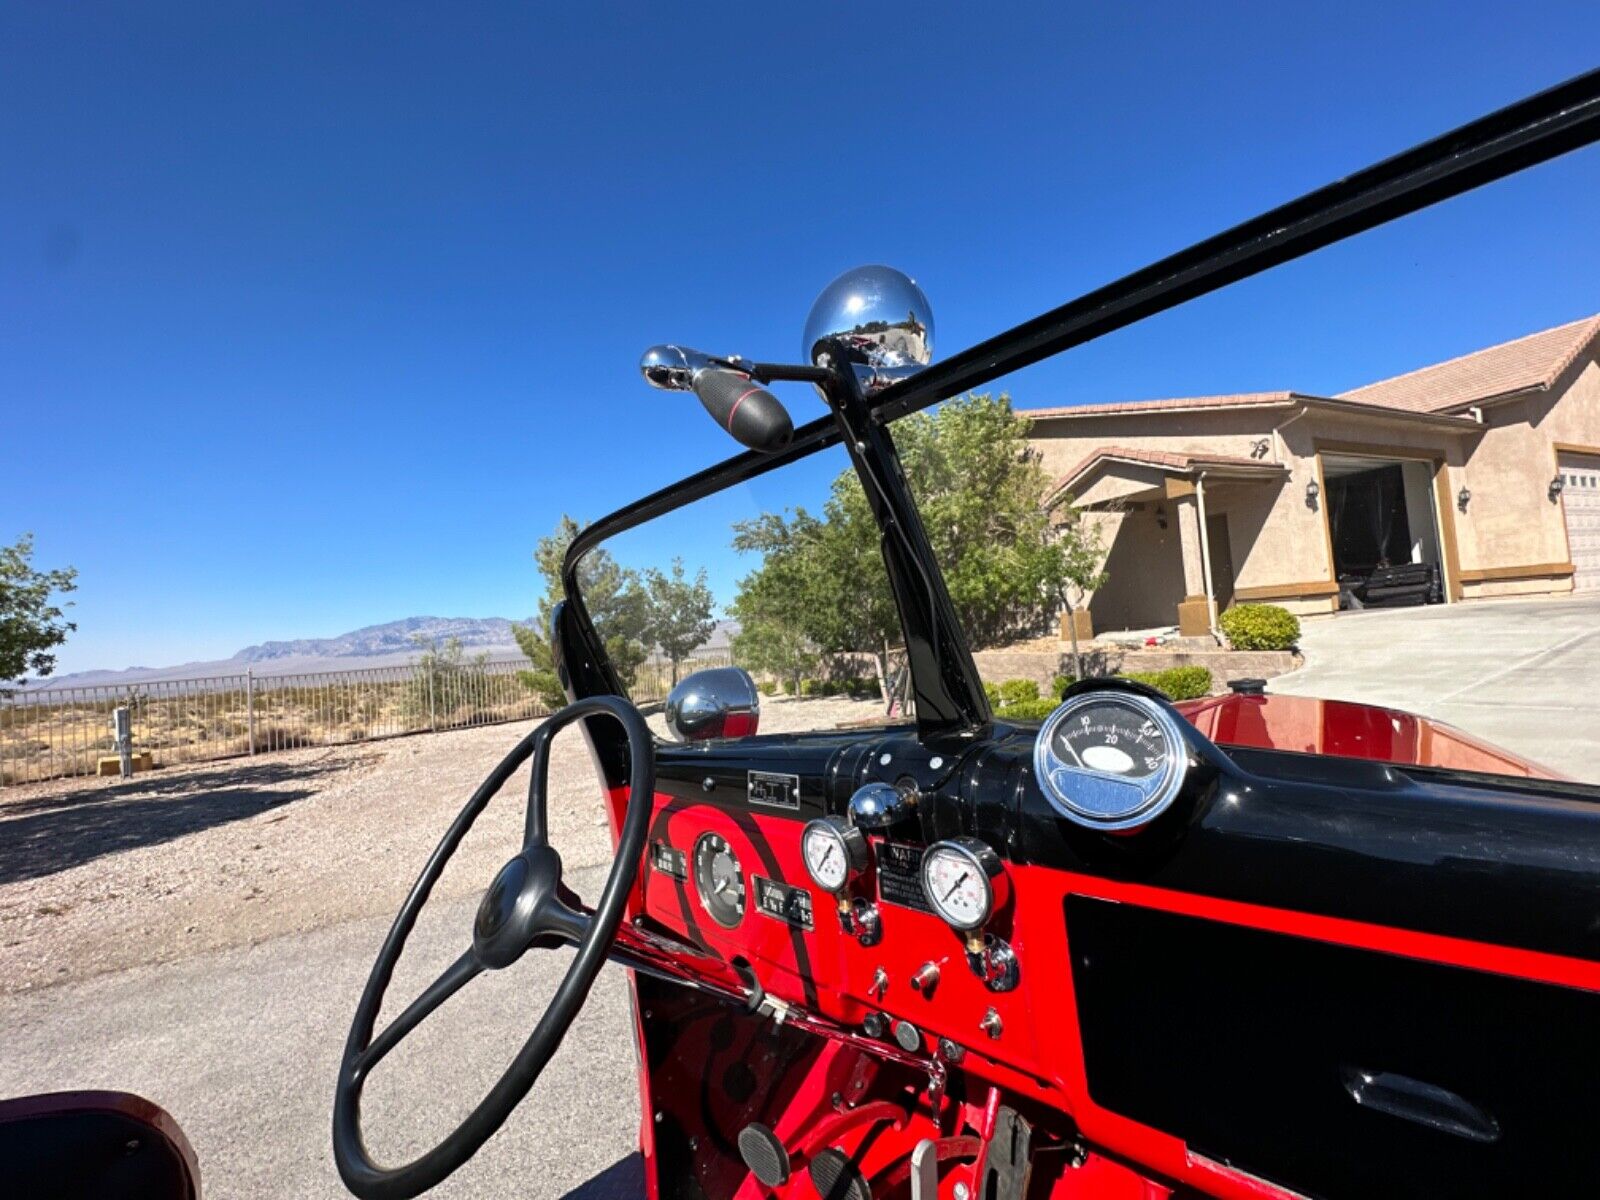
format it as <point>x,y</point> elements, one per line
<point>1194,613</point>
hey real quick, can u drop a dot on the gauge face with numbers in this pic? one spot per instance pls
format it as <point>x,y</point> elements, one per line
<point>1111,759</point>
<point>958,882</point>
<point>827,860</point>
<point>719,879</point>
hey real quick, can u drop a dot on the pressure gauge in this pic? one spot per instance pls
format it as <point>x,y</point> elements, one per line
<point>834,851</point>
<point>963,881</point>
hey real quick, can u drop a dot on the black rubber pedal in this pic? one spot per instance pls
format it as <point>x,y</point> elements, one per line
<point>764,1154</point>
<point>1009,1161</point>
<point>836,1178</point>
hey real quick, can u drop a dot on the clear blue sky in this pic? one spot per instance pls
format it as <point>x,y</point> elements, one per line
<point>318,315</point>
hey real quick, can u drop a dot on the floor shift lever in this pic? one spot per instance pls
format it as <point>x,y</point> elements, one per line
<point>925,1171</point>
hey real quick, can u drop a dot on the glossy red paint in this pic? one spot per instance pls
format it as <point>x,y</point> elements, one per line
<point>1345,730</point>
<point>1036,1063</point>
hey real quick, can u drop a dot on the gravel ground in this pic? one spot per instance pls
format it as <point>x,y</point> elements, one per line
<point>99,875</point>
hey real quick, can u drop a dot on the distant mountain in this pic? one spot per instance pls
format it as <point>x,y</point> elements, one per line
<point>387,645</point>
<point>395,637</point>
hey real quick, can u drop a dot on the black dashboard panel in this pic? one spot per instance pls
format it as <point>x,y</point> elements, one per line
<point>1241,1041</point>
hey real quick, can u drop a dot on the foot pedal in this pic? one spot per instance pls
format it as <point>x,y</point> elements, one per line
<point>764,1154</point>
<point>1009,1159</point>
<point>836,1178</point>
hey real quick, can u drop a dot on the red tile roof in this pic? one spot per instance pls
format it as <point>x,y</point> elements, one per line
<point>1176,461</point>
<point>1535,361</point>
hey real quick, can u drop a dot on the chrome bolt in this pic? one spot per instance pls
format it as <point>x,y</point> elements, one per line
<point>951,1052</point>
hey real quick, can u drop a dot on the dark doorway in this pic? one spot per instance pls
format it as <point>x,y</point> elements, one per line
<point>1221,559</point>
<point>1367,517</point>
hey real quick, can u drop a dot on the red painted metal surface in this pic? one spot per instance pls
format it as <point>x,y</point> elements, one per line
<point>1345,730</point>
<point>1037,1063</point>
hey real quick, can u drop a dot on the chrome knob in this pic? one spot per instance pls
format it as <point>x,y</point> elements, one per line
<point>926,978</point>
<point>878,806</point>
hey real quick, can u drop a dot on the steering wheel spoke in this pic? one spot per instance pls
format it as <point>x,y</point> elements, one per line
<point>526,906</point>
<point>455,977</point>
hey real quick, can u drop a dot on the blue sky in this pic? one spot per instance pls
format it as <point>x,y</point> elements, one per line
<point>314,316</point>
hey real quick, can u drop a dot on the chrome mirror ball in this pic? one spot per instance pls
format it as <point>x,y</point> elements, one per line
<point>881,316</point>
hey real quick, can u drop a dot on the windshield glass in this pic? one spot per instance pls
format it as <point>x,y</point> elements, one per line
<point>780,575</point>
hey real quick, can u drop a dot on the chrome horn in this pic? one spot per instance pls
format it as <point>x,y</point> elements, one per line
<point>882,318</point>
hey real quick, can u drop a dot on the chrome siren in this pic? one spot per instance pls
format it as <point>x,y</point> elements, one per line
<point>883,320</point>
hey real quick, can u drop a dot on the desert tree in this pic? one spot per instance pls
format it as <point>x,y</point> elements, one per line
<point>679,612</point>
<point>32,623</point>
<point>613,596</point>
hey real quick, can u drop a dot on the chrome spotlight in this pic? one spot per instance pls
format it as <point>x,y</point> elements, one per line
<point>881,317</point>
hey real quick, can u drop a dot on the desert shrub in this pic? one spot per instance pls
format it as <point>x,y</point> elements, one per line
<point>1177,683</point>
<point>1260,627</point>
<point>768,687</point>
<point>1026,710</point>
<point>811,687</point>
<point>1060,684</point>
<point>1015,691</point>
<point>992,690</point>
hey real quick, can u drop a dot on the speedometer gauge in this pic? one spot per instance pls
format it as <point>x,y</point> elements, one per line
<point>719,879</point>
<point>1111,760</point>
<point>959,879</point>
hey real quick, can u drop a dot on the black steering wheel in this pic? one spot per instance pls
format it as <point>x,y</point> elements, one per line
<point>525,906</point>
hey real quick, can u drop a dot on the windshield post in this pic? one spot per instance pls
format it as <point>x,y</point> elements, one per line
<point>944,679</point>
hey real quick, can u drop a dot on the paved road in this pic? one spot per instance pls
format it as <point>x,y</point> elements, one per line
<point>1522,674</point>
<point>242,1047</point>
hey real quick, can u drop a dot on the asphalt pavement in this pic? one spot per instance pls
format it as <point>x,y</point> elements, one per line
<point>242,1047</point>
<point>1521,674</point>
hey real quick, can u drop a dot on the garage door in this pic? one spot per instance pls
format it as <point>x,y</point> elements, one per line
<point>1580,497</point>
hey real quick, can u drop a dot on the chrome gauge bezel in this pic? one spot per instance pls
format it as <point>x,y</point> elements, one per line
<point>706,847</point>
<point>1100,799</point>
<point>985,864</point>
<point>852,845</point>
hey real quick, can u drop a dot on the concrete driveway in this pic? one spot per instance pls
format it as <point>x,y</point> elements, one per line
<point>1523,674</point>
<point>242,1047</point>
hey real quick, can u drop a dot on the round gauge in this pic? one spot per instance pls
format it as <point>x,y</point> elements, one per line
<point>834,850</point>
<point>1110,759</point>
<point>958,880</point>
<point>719,880</point>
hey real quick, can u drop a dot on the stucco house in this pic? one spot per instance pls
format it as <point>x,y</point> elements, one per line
<point>1480,475</point>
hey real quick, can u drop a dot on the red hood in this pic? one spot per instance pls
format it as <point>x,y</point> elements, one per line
<point>1349,730</point>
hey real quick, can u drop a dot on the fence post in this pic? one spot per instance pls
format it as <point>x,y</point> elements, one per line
<point>250,707</point>
<point>433,716</point>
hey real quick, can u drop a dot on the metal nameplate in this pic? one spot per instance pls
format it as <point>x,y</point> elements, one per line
<point>669,860</point>
<point>774,790</point>
<point>900,875</point>
<point>784,903</point>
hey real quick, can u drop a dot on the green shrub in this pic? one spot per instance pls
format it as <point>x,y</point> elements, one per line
<point>992,690</point>
<point>1260,627</point>
<point>1015,691</point>
<point>810,687</point>
<point>1060,684</point>
<point>769,687</point>
<point>1177,683</point>
<point>1026,710</point>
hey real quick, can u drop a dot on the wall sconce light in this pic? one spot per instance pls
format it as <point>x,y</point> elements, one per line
<point>1161,516</point>
<point>1555,488</point>
<point>1312,492</point>
<point>1462,497</point>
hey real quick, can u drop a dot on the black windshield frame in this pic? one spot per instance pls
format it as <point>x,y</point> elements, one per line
<point>1512,139</point>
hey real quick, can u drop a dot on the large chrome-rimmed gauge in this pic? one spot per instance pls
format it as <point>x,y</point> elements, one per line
<point>834,851</point>
<point>719,879</point>
<point>963,881</point>
<point>1111,760</point>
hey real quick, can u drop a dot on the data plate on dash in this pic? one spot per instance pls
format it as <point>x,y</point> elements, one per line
<point>784,903</point>
<point>900,876</point>
<point>774,790</point>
